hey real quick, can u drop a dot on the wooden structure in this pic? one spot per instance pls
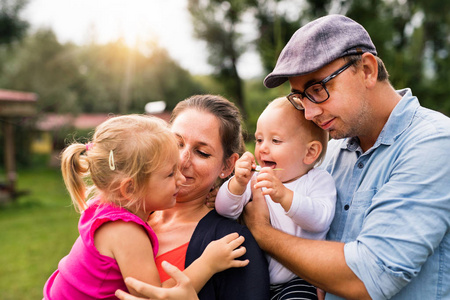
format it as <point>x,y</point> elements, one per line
<point>13,105</point>
<point>48,141</point>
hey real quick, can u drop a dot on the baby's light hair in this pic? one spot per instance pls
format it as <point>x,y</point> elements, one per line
<point>138,144</point>
<point>316,133</point>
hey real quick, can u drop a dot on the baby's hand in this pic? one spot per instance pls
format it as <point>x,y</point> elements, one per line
<point>243,168</point>
<point>221,254</point>
<point>273,187</point>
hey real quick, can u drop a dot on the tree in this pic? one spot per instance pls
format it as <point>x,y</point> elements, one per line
<point>12,28</point>
<point>109,78</point>
<point>42,65</point>
<point>216,22</point>
<point>277,21</point>
<point>159,77</point>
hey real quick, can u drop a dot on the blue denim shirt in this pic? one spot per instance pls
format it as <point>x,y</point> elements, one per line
<point>393,208</point>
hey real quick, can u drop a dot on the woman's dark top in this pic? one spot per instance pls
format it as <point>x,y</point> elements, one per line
<point>250,282</point>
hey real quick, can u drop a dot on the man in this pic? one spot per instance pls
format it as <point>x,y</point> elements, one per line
<point>390,159</point>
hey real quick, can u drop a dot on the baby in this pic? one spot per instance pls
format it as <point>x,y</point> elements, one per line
<point>301,199</point>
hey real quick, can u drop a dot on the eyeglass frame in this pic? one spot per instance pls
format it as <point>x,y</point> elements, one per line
<point>322,83</point>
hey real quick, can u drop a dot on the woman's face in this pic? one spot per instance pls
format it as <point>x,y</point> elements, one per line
<point>201,152</point>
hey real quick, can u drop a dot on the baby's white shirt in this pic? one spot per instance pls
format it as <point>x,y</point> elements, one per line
<point>310,214</point>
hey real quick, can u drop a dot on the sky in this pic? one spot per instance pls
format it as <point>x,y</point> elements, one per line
<point>167,21</point>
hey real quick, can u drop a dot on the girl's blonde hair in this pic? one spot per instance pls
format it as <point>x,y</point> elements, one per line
<point>126,147</point>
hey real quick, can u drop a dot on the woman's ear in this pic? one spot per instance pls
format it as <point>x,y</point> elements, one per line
<point>229,165</point>
<point>313,150</point>
<point>126,188</point>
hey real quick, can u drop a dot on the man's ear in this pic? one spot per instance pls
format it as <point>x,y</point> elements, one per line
<point>229,165</point>
<point>126,188</point>
<point>314,149</point>
<point>370,68</point>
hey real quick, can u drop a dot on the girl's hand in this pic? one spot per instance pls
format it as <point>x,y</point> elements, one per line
<point>221,254</point>
<point>182,289</point>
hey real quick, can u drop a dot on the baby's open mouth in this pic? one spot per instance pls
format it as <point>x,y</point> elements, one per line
<point>270,164</point>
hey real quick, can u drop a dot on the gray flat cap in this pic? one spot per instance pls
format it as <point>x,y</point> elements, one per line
<point>317,44</point>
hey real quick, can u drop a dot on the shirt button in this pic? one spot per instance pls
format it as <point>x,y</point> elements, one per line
<point>360,165</point>
<point>346,207</point>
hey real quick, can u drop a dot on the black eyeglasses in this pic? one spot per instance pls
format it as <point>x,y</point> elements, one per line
<point>315,92</point>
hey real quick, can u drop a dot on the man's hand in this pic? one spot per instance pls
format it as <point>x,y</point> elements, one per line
<point>256,212</point>
<point>182,290</point>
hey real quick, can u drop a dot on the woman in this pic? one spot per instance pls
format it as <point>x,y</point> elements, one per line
<point>208,129</point>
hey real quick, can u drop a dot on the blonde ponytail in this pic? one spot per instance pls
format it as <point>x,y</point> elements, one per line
<point>75,167</point>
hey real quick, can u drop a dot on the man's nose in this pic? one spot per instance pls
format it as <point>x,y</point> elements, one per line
<point>311,110</point>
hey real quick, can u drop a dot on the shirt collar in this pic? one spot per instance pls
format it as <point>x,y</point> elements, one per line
<point>399,120</point>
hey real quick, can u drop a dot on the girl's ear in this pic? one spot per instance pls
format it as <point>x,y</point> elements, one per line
<point>229,165</point>
<point>313,150</point>
<point>126,188</point>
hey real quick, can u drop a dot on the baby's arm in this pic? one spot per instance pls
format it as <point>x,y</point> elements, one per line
<point>232,197</point>
<point>313,209</point>
<point>229,205</point>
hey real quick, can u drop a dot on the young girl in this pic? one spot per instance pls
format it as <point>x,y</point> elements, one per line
<point>132,165</point>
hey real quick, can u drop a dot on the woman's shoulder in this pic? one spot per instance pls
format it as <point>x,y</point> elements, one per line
<point>219,223</point>
<point>213,226</point>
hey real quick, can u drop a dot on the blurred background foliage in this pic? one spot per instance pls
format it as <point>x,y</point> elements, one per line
<point>93,78</point>
<point>412,37</point>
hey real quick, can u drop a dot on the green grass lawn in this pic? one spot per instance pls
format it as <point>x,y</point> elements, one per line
<point>36,232</point>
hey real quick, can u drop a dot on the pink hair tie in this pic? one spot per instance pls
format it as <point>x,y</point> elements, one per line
<point>89,146</point>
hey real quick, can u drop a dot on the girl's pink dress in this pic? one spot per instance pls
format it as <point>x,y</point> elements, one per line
<point>84,273</point>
